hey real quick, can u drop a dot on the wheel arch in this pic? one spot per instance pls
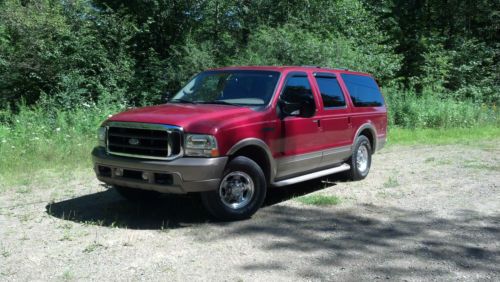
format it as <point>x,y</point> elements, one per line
<point>368,130</point>
<point>258,151</point>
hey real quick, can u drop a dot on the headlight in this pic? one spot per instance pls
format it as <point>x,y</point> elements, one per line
<point>101,136</point>
<point>200,145</point>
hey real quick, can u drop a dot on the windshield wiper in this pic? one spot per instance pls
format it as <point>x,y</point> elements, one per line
<point>184,101</point>
<point>219,102</point>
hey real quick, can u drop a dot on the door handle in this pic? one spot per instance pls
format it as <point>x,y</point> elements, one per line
<point>317,121</point>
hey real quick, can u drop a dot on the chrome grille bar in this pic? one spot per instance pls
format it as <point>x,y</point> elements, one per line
<point>144,140</point>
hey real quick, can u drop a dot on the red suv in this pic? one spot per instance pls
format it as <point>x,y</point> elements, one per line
<point>231,133</point>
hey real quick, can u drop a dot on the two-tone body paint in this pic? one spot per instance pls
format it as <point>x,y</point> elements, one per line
<point>328,131</point>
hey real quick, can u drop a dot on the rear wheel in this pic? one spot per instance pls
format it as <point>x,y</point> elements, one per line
<point>136,195</point>
<point>361,158</point>
<point>241,191</point>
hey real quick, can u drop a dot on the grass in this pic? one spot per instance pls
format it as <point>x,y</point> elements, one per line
<point>439,136</point>
<point>391,182</point>
<point>319,200</point>
<point>92,247</point>
<point>67,275</point>
<point>35,143</point>
<point>431,109</point>
<point>480,165</point>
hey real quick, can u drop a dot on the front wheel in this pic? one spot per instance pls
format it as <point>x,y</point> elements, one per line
<point>361,159</point>
<point>241,191</point>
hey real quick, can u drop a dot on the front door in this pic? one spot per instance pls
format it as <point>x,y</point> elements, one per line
<point>301,136</point>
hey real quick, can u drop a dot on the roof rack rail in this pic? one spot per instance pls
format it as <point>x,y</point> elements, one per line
<point>311,66</point>
<point>344,69</point>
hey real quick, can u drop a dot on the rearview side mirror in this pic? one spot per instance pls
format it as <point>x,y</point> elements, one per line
<point>165,96</point>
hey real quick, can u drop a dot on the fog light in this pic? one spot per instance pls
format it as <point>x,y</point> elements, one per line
<point>145,176</point>
<point>119,171</point>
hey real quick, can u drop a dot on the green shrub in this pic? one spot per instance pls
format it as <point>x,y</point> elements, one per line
<point>65,51</point>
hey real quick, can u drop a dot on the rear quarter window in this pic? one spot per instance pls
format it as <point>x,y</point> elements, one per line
<point>363,90</point>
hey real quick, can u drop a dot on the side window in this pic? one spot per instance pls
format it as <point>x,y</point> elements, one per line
<point>363,90</point>
<point>331,93</point>
<point>296,88</point>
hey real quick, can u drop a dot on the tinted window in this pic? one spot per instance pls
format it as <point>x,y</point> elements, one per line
<point>297,86</point>
<point>331,94</point>
<point>363,90</point>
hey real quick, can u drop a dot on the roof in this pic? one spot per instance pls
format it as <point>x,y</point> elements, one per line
<point>289,68</point>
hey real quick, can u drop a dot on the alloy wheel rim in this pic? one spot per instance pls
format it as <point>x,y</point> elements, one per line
<point>362,158</point>
<point>236,190</point>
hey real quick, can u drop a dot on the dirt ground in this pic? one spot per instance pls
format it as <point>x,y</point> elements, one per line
<point>423,213</point>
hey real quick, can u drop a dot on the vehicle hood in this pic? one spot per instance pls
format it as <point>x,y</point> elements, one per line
<point>196,118</point>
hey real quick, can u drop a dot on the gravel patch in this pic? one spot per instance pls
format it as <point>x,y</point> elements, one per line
<point>423,213</point>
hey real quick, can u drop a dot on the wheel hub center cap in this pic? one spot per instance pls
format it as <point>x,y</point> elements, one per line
<point>236,189</point>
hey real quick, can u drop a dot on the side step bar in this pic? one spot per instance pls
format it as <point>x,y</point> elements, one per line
<point>313,175</point>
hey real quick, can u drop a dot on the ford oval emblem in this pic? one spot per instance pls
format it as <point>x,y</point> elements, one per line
<point>133,141</point>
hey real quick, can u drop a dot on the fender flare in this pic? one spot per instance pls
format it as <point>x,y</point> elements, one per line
<point>373,131</point>
<point>261,144</point>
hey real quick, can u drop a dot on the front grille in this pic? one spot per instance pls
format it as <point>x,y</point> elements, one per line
<point>142,140</point>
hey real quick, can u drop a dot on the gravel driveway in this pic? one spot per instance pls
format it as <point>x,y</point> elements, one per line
<point>423,213</point>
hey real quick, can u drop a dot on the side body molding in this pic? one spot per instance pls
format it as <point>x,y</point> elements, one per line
<point>261,144</point>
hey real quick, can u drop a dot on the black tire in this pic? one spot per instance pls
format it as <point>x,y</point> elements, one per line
<point>355,173</point>
<point>136,195</point>
<point>214,201</point>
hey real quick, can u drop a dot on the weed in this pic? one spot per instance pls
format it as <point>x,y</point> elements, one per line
<point>319,200</point>
<point>99,222</point>
<point>480,165</point>
<point>444,162</point>
<point>382,194</point>
<point>65,225</point>
<point>92,247</point>
<point>5,253</point>
<point>26,217</point>
<point>391,182</point>
<point>67,275</point>
<point>164,226</point>
<point>118,224</point>
<point>431,159</point>
<point>66,236</point>
<point>23,190</point>
<point>127,244</point>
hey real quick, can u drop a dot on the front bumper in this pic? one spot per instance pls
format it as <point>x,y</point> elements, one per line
<point>178,176</point>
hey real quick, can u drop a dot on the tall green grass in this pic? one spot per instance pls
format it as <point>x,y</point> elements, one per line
<point>34,140</point>
<point>430,110</point>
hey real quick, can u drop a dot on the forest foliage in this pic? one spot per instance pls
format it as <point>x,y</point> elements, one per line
<point>59,55</point>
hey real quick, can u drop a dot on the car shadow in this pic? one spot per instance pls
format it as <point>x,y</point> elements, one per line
<point>384,236</point>
<point>108,208</point>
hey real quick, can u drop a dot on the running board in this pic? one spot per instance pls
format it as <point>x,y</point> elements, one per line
<point>310,176</point>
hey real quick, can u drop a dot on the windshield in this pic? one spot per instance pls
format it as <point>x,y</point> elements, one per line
<point>238,87</point>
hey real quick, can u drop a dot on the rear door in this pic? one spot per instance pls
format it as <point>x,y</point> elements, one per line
<point>334,118</point>
<point>301,137</point>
